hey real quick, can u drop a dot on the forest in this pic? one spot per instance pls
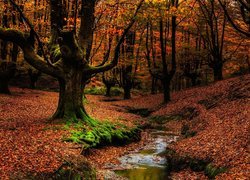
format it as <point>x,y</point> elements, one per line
<point>120,89</point>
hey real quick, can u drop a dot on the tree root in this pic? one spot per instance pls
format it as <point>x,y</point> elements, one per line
<point>93,133</point>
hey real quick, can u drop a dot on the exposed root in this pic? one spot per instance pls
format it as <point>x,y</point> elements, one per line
<point>93,133</point>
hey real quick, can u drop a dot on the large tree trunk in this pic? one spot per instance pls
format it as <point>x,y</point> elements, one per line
<point>108,88</point>
<point>70,105</point>
<point>217,69</point>
<point>127,93</point>
<point>166,90</point>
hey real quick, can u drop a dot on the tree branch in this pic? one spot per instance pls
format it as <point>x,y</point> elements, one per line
<point>246,33</point>
<point>32,30</point>
<point>114,62</point>
<point>30,55</point>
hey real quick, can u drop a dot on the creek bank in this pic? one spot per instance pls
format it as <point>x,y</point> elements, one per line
<point>177,162</point>
<point>146,162</point>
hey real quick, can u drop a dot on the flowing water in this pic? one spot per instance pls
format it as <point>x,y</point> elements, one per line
<point>148,163</point>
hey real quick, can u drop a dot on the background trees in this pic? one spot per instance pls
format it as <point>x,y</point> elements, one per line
<point>240,10</point>
<point>204,40</point>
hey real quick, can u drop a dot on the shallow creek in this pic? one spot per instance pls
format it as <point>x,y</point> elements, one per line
<point>148,162</point>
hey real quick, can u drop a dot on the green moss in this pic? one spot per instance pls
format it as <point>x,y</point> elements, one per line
<point>94,133</point>
<point>95,91</point>
<point>212,171</point>
<point>115,91</point>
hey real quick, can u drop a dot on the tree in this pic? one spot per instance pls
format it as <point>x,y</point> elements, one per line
<point>242,8</point>
<point>129,63</point>
<point>109,79</point>
<point>7,62</point>
<point>72,68</point>
<point>165,74</point>
<point>215,25</point>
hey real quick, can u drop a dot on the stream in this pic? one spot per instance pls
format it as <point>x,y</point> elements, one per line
<point>148,162</point>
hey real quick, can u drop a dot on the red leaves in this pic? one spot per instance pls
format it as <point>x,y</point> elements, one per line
<point>30,144</point>
<point>222,131</point>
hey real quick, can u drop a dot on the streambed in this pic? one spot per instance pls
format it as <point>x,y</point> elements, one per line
<point>148,162</point>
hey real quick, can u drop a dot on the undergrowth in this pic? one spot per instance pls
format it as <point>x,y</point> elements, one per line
<point>115,91</point>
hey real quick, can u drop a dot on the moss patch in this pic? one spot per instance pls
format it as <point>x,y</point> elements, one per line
<point>114,91</point>
<point>101,133</point>
<point>212,171</point>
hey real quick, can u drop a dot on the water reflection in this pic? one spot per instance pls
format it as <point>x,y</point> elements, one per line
<point>149,163</point>
<point>144,173</point>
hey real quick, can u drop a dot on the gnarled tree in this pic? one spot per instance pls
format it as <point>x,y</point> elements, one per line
<point>166,71</point>
<point>71,68</point>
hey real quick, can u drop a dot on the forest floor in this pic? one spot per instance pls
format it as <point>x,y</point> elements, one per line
<point>219,116</point>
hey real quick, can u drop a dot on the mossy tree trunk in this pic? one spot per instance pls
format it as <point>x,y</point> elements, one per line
<point>72,69</point>
<point>70,105</point>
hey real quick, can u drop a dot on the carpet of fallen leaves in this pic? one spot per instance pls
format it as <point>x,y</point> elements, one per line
<point>31,143</point>
<point>223,130</point>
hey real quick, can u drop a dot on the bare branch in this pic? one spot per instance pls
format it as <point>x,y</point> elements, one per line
<point>30,55</point>
<point>245,32</point>
<point>32,30</point>
<point>114,62</point>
